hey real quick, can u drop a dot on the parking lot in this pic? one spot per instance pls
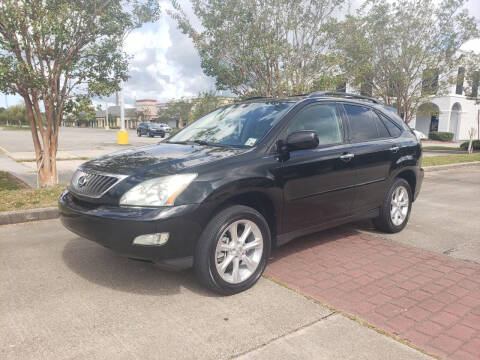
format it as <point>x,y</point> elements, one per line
<point>76,145</point>
<point>65,297</point>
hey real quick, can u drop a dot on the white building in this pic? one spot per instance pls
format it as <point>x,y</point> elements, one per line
<point>455,112</point>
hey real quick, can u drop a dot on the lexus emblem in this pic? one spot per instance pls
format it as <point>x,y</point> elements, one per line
<point>82,181</point>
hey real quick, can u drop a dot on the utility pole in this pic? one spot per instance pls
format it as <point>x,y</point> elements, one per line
<point>122,135</point>
<point>106,125</point>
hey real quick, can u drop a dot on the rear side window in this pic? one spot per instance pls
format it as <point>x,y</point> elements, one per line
<point>392,128</point>
<point>321,118</point>
<point>362,123</point>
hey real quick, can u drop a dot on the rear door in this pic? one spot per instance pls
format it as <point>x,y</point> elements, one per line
<point>318,184</point>
<point>375,151</point>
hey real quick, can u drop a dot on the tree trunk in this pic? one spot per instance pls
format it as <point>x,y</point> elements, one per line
<point>45,150</point>
<point>47,170</point>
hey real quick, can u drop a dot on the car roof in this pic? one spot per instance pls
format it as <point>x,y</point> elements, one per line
<point>335,96</point>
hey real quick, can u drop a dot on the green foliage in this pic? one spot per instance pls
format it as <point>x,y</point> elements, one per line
<point>440,135</point>
<point>80,110</point>
<point>14,115</point>
<point>205,103</point>
<point>272,47</point>
<point>176,110</point>
<point>55,49</point>
<point>186,111</point>
<point>389,45</point>
<point>475,145</point>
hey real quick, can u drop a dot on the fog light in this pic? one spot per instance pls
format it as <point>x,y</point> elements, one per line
<point>151,239</point>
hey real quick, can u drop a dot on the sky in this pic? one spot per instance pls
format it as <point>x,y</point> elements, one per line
<point>165,64</point>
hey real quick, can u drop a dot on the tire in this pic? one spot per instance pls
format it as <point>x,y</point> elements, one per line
<point>138,134</point>
<point>162,135</point>
<point>209,258</point>
<point>150,134</point>
<point>387,221</point>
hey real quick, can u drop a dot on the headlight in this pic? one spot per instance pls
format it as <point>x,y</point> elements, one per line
<point>160,191</point>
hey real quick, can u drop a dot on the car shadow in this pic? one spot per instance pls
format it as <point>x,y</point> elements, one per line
<point>105,268</point>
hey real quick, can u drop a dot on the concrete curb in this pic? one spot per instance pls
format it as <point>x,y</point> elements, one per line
<point>21,216</point>
<point>450,166</point>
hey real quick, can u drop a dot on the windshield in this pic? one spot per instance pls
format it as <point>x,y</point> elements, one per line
<point>242,124</point>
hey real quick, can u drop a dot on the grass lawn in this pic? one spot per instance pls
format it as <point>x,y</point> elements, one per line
<point>439,147</point>
<point>449,159</point>
<point>58,159</point>
<point>14,195</point>
<point>15,127</point>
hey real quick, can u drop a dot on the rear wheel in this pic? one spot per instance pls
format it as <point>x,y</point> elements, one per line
<point>232,252</point>
<point>138,133</point>
<point>396,207</point>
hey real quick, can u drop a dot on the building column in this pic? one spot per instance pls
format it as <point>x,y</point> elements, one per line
<point>444,120</point>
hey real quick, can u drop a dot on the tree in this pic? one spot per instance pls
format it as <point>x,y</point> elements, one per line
<point>177,110</point>
<point>205,103</point>
<point>15,114</point>
<point>80,110</point>
<point>54,49</point>
<point>268,47</point>
<point>404,51</point>
<point>471,62</point>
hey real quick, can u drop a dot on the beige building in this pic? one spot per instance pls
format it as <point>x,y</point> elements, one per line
<point>148,108</point>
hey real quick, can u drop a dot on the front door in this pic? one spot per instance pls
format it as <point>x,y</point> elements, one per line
<point>318,184</point>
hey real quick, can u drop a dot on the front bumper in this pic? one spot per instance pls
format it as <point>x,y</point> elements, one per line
<point>117,227</point>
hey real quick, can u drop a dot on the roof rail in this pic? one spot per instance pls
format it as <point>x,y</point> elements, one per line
<point>344,94</point>
<point>254,98</point>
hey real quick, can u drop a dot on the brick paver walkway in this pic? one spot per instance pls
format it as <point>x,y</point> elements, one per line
<point>431,300</point>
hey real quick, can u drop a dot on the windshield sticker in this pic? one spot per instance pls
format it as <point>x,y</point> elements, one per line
<point>251,141</point>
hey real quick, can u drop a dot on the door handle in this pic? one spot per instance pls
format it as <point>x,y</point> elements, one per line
<point>394,149</point>
<point>347,157</point>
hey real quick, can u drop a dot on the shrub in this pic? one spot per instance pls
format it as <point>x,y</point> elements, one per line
<point>475,144</point>
<point>441,136</point>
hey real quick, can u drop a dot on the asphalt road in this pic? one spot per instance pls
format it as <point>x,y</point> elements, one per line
<point>72,139</point>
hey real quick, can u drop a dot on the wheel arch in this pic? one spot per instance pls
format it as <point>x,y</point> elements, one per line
<point>259,201</point>
<point>409,176</point>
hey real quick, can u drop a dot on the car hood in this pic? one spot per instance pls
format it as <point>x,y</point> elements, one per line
<point>163,158</point>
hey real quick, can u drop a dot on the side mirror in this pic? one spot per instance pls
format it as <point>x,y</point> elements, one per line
<point>302,140</point>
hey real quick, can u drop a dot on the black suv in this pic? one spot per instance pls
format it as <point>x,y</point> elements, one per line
<point>150,129</point>
<point>249,176</point>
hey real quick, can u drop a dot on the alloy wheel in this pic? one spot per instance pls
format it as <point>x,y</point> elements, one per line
<point>399,205</point>
<point>239,251</point>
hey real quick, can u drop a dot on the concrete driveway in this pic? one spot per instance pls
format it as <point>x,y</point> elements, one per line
<point>63,297</point>
<point>446,217</point>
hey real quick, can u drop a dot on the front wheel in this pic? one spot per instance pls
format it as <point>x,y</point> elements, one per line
<point>150,134</point>
<point>396,207</point>
<point>232,252</point>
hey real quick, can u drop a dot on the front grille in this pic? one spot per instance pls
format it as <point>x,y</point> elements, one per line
<point>92,184</point>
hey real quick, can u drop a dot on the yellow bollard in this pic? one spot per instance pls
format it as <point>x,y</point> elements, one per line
<point>122,137</point>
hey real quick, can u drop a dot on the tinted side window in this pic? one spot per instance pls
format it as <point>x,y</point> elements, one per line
<point>362,123</point>
<point>381,127</point>
<point>392,128</point>
<point>321,118</point>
